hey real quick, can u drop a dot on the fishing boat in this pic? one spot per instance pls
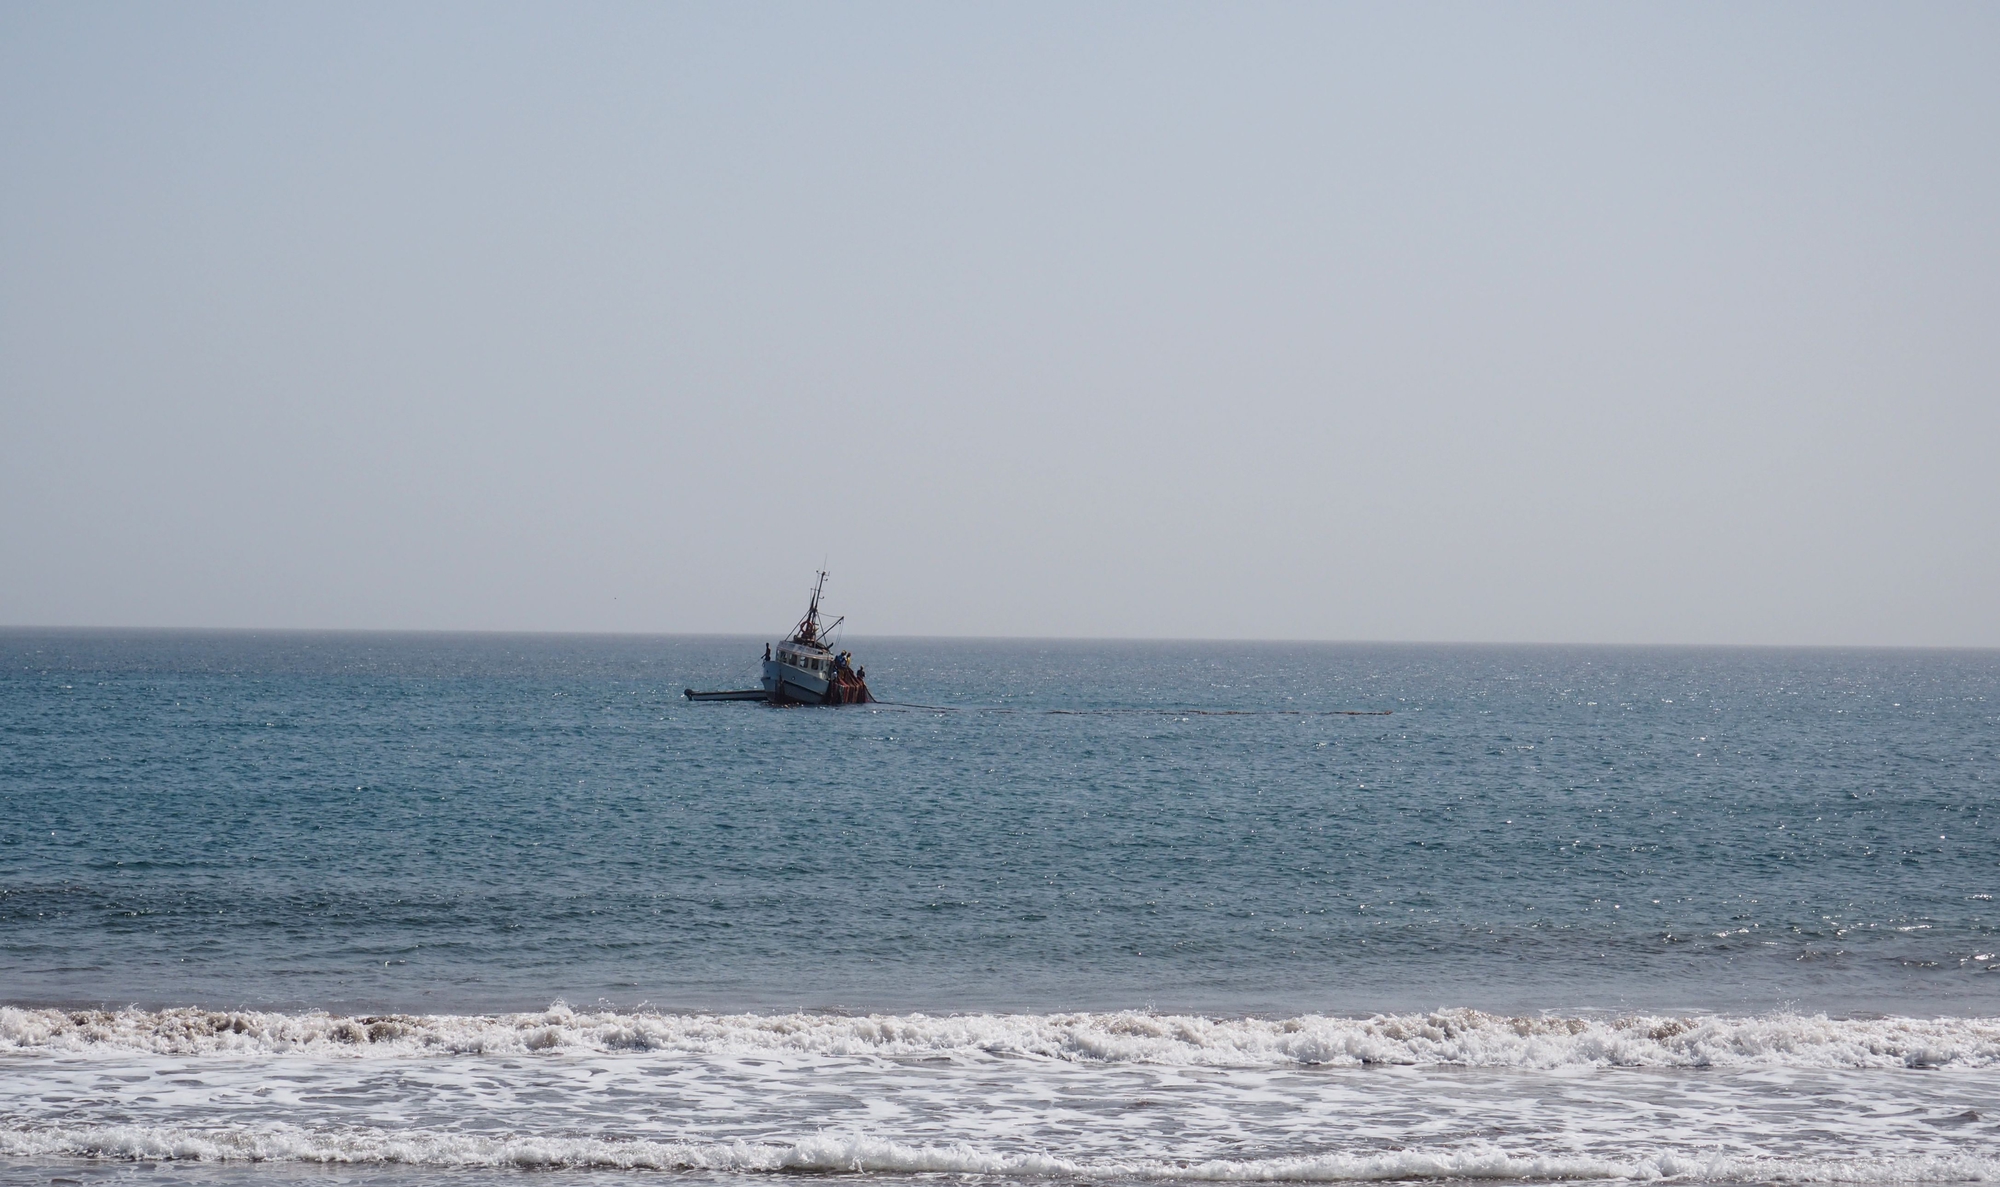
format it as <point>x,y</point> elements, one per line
<point>804,669</point>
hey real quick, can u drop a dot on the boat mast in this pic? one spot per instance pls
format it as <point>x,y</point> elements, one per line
<point>808,629</point>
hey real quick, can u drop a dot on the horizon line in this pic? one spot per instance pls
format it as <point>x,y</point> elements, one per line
<point>12,628</point>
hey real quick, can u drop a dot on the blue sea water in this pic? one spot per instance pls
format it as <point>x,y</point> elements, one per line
<point>1093,911</point>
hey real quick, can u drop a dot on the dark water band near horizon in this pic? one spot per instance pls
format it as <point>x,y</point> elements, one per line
<point>406,908</point>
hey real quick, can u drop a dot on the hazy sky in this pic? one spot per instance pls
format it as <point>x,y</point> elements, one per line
<point>1606,323</point>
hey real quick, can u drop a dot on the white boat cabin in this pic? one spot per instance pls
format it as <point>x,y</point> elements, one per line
<point>817,661</point>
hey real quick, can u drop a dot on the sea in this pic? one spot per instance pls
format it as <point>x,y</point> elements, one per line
<point>441,909</point>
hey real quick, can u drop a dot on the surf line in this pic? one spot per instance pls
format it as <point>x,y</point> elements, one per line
<point>1163,712</point>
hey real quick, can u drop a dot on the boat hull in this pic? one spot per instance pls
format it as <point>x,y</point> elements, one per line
<point>783,682</point>
<point>789,685</point>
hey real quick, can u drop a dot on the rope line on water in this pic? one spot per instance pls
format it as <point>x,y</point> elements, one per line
<point>1164,712</point>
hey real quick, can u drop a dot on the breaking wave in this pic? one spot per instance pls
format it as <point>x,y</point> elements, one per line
<point>837,1155</point>
<point>1466,1038</point>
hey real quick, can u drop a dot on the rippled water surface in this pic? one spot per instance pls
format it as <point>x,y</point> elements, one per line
<point>299,905</point>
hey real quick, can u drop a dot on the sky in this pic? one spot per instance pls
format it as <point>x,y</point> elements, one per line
<point>1669,323</point>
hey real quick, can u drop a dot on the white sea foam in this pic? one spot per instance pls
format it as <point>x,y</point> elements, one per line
<point>1459,1037</point>
<point>861,1154</point>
